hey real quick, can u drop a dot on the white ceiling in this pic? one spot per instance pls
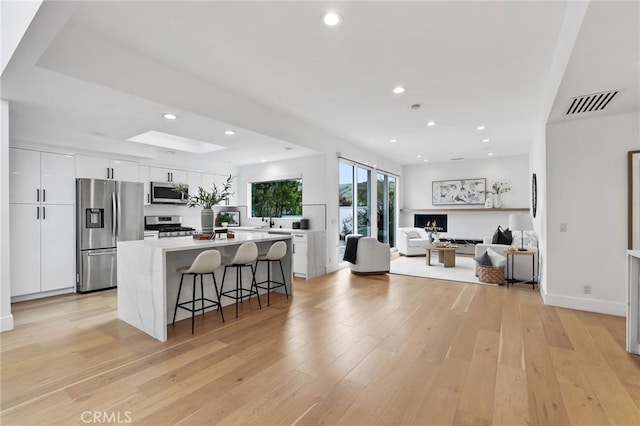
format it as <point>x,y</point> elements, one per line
<point>90,75</point>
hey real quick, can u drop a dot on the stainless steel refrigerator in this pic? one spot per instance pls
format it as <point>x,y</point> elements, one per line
<point>107,211</point>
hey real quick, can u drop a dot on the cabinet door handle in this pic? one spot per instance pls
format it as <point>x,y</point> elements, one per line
<point>168,177</point>
<point>44,213</point>
<point>38,213</point>
<point>148,198</point>
<point>44,195</point>
<point>108,173</point>
<point>38,194</point>
<point>171,176</point>
<point>294,248</point>
<point>113,176</point>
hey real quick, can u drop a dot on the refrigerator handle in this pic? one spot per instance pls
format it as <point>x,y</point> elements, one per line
<point>114,215</point>
<point>119,221</point>
<point>44,195</point>
<point>38,194</point>
<point>38,213</point>
<point>44,213</point>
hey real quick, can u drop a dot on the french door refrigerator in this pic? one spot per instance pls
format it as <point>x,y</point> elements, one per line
<point>107,211</point>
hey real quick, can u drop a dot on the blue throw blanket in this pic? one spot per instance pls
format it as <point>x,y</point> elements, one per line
<point>351,249</point>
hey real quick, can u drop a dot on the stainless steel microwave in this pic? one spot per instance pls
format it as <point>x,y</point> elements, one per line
<point>163,193</point>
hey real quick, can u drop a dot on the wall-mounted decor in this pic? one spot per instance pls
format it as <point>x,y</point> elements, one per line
<point>459,191</point>
<point>534,195</point>
<point>633,218</point>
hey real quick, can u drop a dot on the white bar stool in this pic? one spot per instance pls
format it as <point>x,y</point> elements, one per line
<point>245,257</point>
<point>275,254</point>
<point>205,263</point>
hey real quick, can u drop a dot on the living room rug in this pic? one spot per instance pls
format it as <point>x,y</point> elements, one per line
<point>465,269</point>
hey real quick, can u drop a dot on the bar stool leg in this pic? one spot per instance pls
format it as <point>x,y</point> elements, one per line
<point>215,288</point>
<point>254,284</point>
<point>175,311</point>
<point>193,305</point>
<point>283,279</point>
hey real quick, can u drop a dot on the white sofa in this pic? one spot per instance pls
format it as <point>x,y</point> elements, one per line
<point>524,268</point>
<point>412,241</point>
<point>372,257</point>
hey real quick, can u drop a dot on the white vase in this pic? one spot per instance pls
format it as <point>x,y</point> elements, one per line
<point>488,203</point>
<point>497,203</point>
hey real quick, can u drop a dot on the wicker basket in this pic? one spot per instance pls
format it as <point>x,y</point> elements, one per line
<point>491,274</point>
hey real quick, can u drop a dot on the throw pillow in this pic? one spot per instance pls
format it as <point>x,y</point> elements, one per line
<point>502,236</point>
<point>483,259</point>
<point>496,258</point>
<point>411,234</point>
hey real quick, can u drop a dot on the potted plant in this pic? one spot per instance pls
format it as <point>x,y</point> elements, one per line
<point>207,199</point>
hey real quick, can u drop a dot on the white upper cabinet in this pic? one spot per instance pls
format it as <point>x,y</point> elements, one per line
<point>143,176</point>
<point>158,174</point>
<point>24,178</point>
<point>124,170</point>
<point>106,168</point>
<point>37,177</point>
<point>57,178</point>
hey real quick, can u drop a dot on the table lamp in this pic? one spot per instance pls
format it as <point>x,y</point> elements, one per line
<point>520,222</point>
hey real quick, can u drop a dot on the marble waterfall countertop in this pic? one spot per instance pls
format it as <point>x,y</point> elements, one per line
<point>148,281</point>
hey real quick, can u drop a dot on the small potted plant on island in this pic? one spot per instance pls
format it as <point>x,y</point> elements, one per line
<point>206,200</point>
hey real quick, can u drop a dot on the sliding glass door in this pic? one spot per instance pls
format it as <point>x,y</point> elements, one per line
<point>357,196</point>
<point>386,208</point>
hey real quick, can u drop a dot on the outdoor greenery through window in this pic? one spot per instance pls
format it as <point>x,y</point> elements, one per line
<point>276,198</point>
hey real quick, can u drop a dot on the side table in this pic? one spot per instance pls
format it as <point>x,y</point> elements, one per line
<point>511,254</point>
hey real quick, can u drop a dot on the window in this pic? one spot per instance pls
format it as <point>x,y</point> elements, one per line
<point>276,198</point>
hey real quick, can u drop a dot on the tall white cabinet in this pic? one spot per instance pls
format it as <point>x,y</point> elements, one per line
<point>42,237</point>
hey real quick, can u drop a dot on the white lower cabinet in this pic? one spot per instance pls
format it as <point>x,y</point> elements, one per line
<point>42,248</point>
<point>300,252</point>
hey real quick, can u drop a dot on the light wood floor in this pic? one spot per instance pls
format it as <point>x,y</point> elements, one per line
<point>344,350</point>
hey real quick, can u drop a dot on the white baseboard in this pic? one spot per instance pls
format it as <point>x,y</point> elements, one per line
<point>33,296</point>
<point>6,323</point>
<point>583,304</point>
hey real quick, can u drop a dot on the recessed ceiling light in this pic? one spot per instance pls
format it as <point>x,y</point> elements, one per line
<point>263,160</point>
<point>229,132</point>
<point>425,160</point>
<point>480,127</point>
<point>431,123</point>
<point>393,140</point>
<point>398,89</point>
<point>332,19</point>
<point>485,140</point>
<point>490,154</point>
<point>419,156</point>
<point>169,116</point>
<point>173,142</point>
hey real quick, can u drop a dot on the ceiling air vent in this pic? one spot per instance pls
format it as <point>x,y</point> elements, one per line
<point>457,159</point>
<point>593,102</point>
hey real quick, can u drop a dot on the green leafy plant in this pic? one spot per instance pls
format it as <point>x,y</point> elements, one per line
<point>225,217</point>
<point>500,187</point>
<point>207,199</point>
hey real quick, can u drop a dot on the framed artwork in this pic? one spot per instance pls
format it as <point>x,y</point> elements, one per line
<point>459,191</point>
<point>231,218</point>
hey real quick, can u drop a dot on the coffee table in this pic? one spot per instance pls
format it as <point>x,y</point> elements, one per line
<point>446,255</point>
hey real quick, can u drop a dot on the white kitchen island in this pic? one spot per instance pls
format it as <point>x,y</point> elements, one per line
<point>148,281</point>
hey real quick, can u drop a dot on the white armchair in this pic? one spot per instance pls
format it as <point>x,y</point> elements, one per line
<point>412,241</point>
<point>372,257</point>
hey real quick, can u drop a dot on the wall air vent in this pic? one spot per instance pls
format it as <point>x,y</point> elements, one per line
<point>588,103</point>
<point>457,159</point>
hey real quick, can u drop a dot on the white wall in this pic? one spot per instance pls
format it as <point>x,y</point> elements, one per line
<point>6,318</point>
<point>15,17</point>
<point>587,190</point>
<point>416,193</point>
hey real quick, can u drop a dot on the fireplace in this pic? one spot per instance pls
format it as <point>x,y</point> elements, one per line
<point>420,221</point>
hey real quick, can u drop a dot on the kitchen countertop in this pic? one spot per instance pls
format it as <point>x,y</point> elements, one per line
<point>189,243</point>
